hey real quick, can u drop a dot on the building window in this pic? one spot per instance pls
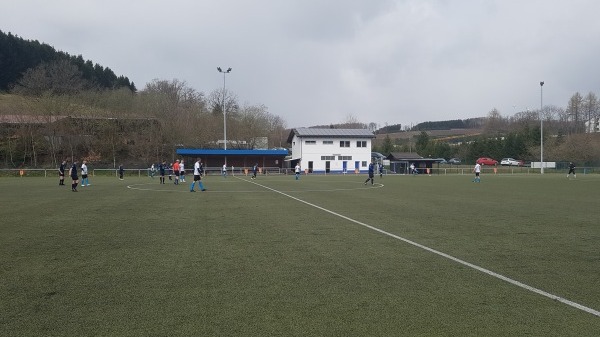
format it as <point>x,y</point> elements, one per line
<point>344,143</point>
<point>328,142</point>
<point>344,157</point>
<point>361,143</point>
<point>363,164</point>
<point>327,157</point>
<point>310,142</point>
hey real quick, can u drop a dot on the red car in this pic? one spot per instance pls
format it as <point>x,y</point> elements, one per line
<point>487,161</point>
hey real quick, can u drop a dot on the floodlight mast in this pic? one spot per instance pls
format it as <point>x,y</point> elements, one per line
<point>541,127</point>
<point>223,107</point>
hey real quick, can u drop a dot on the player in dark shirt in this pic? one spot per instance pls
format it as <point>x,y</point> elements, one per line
<point>74,177</point>
<point>371,174</point>
<point>571,170</point>
<point>161,169</point>
<point>61,172</point>
<point>254,171</point>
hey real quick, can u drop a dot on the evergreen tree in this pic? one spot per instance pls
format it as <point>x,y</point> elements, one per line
<point>388,146</point>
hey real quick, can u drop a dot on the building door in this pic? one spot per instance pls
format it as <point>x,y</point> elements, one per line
<point>344,166</point>
<point>310,167</point>
<point>356,166</point>
<point>327,166</point>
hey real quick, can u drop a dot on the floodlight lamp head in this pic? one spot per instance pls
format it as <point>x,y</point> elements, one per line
<point>229,70</point>
<point>541,83</point>
<point>219,69</point>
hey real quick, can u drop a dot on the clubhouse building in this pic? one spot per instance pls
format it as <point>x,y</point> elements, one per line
<point>331,150</point>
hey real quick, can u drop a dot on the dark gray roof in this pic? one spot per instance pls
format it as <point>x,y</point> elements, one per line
<point>404,156</point>
<point>330,133</point>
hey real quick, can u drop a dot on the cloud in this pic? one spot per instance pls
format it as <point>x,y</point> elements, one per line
<point>316,62</point>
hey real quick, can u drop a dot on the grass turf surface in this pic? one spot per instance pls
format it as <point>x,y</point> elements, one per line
<point>135,258</point>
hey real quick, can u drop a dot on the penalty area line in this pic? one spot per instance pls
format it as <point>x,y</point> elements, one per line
<point>450,257</point>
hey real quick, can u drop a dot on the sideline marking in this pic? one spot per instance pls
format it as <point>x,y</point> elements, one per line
<point>450,257</point>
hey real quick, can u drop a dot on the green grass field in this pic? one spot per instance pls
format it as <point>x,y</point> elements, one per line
<point>322,256</point>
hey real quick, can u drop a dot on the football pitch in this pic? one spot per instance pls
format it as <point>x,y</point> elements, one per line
<point>514,255</point>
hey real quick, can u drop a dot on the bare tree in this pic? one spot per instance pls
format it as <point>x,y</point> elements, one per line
<point>575,111</point>
<point>215,102</point>
<point>178,109</point>
<point>352,122</point>
<point>591,110</point>
<point>58,77</point>
<point>495,123</point>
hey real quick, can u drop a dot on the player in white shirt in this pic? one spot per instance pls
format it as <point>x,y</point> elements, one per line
<point>477,170</point>
<point>297,171</point>
<point>197,177</point>
<point>84,174</point>
<point>181,171</point>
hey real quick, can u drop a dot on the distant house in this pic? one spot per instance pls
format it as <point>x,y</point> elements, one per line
<point>592,125</point>
<point>331,150</point>
<point>400,162</point>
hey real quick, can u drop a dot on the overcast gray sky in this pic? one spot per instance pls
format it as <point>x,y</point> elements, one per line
<point>320,61</point>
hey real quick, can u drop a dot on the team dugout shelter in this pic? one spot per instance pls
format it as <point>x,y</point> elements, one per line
<point>240,160</point>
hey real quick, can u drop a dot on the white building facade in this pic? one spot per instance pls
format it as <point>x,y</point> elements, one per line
<point>331,150</point>
<point>593,125</point>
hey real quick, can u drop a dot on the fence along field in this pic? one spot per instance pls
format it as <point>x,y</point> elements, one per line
<point>441,170</point>
<point>256,258</point>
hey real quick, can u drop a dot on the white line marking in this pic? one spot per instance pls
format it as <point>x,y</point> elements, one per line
<point>465,263</point>
<point>212,191</point>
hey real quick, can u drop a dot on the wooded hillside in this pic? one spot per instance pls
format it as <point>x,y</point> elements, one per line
<point>21,59</point>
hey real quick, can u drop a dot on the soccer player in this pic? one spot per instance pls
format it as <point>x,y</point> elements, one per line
<point>61,173</point>
<point>74,177</point>
<point>297,171</point>
<point>224,171</point>
<point>380,170</point>
<point>84,174</point>
<point>197,177</point>
<point>181,171</point>
<point>121,171</point>
<point>571,170</point>
<point>254,171</point>
<point>176,172</point>
<point>477,170</point>
<point>161,171</point>
<point>371,174</point>
<point>152,171</point>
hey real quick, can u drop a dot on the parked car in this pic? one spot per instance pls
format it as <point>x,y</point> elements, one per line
<point>511,162</point>
<point>441,161</point>
<point>487,161</point>
<point>454,161</point>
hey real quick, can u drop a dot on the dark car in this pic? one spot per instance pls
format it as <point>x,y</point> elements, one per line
<point>487,161</point>
<point>454,161</point>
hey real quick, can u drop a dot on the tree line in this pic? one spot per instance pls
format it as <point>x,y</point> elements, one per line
<point>109,127</point>
<point>568,135</point>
